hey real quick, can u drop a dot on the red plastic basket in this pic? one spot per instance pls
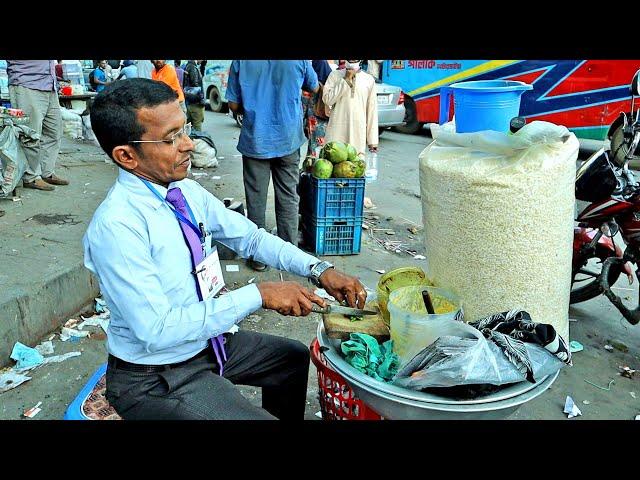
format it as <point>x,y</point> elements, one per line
<point>337,400</point>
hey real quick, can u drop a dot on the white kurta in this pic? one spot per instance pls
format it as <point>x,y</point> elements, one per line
<point>354,113</point>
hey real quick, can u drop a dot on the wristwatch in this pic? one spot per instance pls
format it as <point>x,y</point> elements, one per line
<point>317,270</point>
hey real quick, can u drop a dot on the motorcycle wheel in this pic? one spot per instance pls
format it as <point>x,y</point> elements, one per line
<point>592,288</point>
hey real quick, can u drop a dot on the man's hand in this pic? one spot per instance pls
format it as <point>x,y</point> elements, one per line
<point>373,148</point>
<point>342,286</point>
<point>236,108</point>
<point>349,75</point>
<point>288,298</point>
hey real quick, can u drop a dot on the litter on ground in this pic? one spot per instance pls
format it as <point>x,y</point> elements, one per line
<point>575,346</point>
<point>626,371</point>
<point>570,408</point>
<point>61,358</point>
<point>598,386</point>
<point>11,379</point>
<point>101,305</point>
<point>45,348</point>
<point>68,333</point>
<point>26,357</point>
<point>33,411</point>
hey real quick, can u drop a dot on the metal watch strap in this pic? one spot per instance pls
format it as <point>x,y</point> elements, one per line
<point>317,270</point>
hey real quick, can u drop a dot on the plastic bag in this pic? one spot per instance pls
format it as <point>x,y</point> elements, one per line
<point>510,200</point>
<point>72,125</point>
<point>363,352</point>
<point>87,130</point>
<point>462,356</point>
<point>203,155</point>
<point>13,162</point>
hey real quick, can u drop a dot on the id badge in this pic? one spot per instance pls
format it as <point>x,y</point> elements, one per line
<point>209,274</point>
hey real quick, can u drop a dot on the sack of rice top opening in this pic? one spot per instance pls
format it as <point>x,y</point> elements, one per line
<point>498,219</point>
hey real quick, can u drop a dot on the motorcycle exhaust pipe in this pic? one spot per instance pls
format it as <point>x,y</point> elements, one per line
<point>632,316</point>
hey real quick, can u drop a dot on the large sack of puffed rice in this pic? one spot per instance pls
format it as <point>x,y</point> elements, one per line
<point>498,219</point>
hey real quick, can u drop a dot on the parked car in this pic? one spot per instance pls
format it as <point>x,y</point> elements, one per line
<point>391,111</point>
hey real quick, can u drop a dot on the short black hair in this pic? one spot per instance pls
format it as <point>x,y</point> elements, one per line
<point>114,110</point>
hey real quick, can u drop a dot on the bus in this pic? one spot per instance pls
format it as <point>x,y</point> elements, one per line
<point>586,96</point>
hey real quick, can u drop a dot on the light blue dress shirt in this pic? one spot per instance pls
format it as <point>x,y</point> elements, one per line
<point>135,247</point>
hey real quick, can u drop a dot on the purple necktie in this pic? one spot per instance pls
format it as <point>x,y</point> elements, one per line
<point>175,198</point>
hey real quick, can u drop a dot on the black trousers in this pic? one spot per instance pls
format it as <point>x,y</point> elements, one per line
<point>195,391</point>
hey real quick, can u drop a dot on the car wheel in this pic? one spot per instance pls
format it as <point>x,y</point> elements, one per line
<point>411,123</point>
<point>215,101</point>
<point>381,130</point>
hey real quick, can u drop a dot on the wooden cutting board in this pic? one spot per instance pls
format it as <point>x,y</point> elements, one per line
<point>338,326</point>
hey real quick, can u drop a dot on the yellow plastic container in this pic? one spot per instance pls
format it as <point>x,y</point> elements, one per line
<point>398,278</point>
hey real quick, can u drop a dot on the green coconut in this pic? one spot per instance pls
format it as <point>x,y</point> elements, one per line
<point>352,153</point>
<point>335,152</point>
<point>322,168</point>
<point>360,167</point>
<point>344,169</point>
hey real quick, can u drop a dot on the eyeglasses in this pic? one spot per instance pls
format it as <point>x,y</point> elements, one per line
<point>186,130</point>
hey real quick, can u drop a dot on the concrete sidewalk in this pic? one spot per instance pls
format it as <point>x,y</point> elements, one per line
<point>41,274</point>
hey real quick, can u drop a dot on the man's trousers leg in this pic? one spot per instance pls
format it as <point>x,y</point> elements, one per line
<point>277,364</point>
<point>195,391</point>
<point>256,175</point>
<point>51,136</point>
<point>190,392</point>
<point>286,174</point>
<point>195,115</point>
<point>35,104</point>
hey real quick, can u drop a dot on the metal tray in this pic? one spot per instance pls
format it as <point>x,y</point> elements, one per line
<point>339,364</point>
<point>396,408</point>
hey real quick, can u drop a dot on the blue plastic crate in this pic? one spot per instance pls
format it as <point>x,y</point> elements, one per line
<point>333,197</point>
<point>334,236</point>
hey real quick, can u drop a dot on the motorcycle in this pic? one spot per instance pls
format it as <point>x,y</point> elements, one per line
<point>613,193</point>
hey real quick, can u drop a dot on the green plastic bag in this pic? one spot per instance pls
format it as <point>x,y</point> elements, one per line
<point>363,352</point>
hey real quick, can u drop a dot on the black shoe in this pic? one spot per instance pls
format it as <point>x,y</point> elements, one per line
<point>256,265</point>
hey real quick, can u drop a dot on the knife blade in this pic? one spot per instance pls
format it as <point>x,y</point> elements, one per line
<point>340,309</point>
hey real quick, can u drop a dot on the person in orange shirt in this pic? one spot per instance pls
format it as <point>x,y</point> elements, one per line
<point>167,74</point>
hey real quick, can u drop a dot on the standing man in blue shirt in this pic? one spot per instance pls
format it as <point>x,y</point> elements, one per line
<point>149,242</point>
<point>267,93</point>
<point>100,76</point>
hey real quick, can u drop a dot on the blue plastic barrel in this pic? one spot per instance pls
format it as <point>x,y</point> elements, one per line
<point>482,105</point>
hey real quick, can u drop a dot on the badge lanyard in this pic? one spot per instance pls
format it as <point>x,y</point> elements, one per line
<point>179,216</point>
